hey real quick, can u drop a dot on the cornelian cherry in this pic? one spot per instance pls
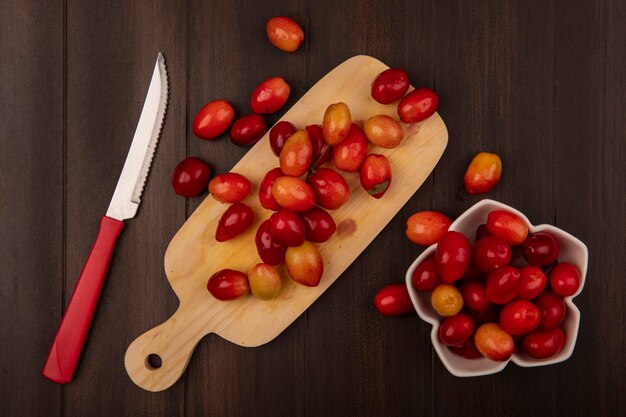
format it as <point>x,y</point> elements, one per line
<point>544,343</point>
<point>235,220</point>
<point>284,33</point>
<point>427,227</point>
<point>390,85</point>
<point>293,194</point>
<point>519,317</point>
<point>288,228</point>
<point>190,177</point>
<point>320,225</point>
<point>265,189</point>
<point>269,96</point>
<point>564,279</point>
<point>456,330</point>
<point>532,282</point>
<point>230,187</point>
<point>475,296</point>
<point>483,173</point>
<point>418,105</point>
<point>491,253</point>
<point>228,284</point>
<point>540,249</point>
<point>552,309</point>
<point>375,175</point>
<point>279,135</point>
<point>453,255</point>
<point>247,130</point>
<point>507,226</point>
<point>330,188</point>
<point>425,277</point>
<point>502,284</point>
<point>270,250</point>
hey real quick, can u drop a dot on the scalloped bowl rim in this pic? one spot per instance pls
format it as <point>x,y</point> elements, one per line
<point>463,367</point>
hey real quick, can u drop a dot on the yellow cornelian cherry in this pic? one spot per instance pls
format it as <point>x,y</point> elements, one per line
<point>483,173</point>
<point>446,300</point>
<point>337,122</point>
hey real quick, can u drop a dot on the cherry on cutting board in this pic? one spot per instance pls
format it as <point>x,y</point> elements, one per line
<point>292,193</point>
<point>337,122</point>
<point>297,153</point>
<point>418,105</point>
<point>279,135</point>
<point>270,250</point>
<point>235,220</point>
<point>288,228</point>
<point>390,85</point>
<point>265,189</point>
<point>264,281</point>
<point>322,151</point>
<point>320,225</point>
<point>330,188</point>
<point>383,131</point>
<point>304,264</point>
<point>230,187</point>
<point>349,154</point>
<point>375,175</point>
<point>228,284</point>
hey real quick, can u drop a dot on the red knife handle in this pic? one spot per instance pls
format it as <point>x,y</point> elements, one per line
<point>70,338</point>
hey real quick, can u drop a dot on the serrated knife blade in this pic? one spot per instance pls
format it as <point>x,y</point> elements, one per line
<point>72,333</point>
<point>127,195</point>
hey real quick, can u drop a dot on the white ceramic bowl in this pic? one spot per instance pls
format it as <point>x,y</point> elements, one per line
<point>572,250</point>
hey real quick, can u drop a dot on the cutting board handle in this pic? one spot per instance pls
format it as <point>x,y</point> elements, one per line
<point>157,359</point>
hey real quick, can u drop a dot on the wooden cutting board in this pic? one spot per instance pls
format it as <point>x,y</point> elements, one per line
<point>194,255</point>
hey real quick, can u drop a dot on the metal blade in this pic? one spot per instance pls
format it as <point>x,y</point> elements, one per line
<point>127,195</point>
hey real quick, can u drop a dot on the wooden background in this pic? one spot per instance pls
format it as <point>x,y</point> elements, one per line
<point>542,83</point>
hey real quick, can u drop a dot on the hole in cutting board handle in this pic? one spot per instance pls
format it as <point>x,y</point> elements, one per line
<point>153,361</point>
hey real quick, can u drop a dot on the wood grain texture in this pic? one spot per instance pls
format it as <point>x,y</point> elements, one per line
<point>590,156</point>
<point>541,83</point>
<point>228,62</point>
<point>111,55</point>
<point>511,76</point>
<point>31,202</point>
<point>194,254</point>
<point>379,365</point>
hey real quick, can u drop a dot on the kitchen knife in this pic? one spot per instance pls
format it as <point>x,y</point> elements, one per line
<point>70,338</point>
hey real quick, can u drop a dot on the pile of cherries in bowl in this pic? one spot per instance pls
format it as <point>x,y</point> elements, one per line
<point>507,294</point>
